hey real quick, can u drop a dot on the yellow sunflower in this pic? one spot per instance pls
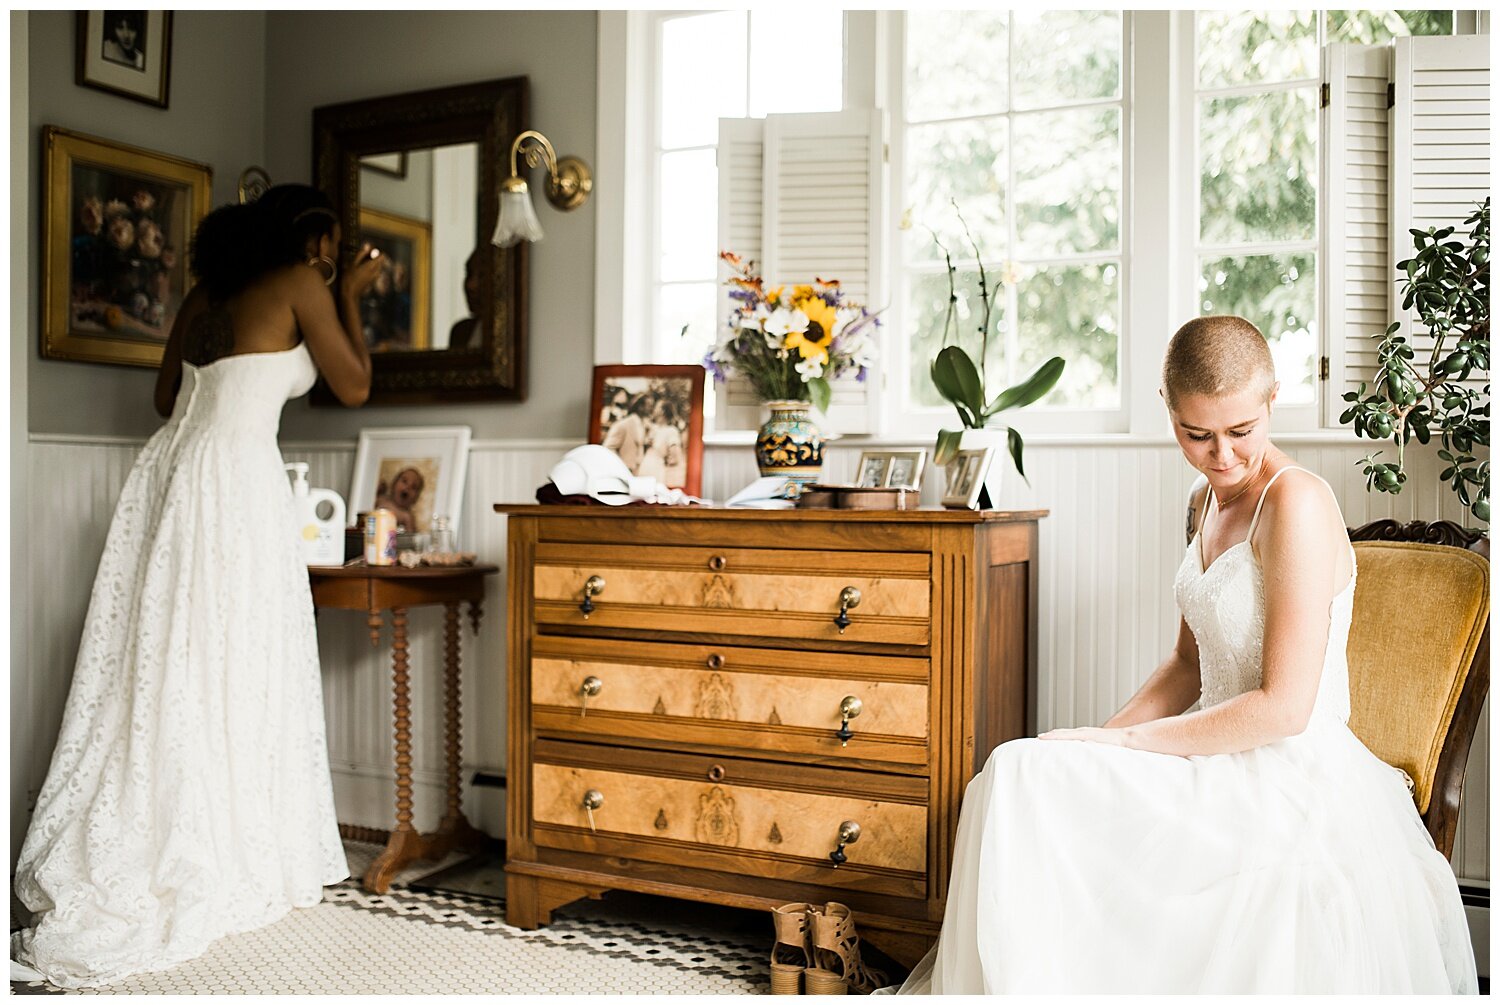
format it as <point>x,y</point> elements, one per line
<point>814,342</point>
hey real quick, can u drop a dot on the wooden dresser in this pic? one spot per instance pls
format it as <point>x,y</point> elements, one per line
<point>679,680</point>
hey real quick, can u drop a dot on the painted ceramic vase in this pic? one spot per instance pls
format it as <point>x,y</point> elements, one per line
<point>789,445</point>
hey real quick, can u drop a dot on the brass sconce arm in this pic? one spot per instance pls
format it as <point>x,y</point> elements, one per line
<point>569,180</point>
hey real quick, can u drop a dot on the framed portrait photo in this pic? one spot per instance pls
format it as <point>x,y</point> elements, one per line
<point>652,416</point>
<point>126,52</point>
<point>396,311</point>
<point>416,473</point>
<point>966,475</point>
<point>891,469</point>
<point>116,225</point>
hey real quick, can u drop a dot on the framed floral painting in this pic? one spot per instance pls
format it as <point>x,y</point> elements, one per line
<point>126,52</point>
<point>117,222</point>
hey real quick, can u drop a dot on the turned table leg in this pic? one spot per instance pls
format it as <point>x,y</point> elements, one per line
<point>405,843</point>
<point>454,831</point>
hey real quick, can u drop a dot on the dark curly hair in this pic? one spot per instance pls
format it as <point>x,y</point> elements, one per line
<point>237,244</point>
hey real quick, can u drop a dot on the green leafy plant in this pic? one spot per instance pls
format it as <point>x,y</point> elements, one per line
<point>960,381</point>
<point>1448,282</point>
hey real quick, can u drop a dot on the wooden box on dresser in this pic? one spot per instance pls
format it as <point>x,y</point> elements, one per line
<point>678,678</point>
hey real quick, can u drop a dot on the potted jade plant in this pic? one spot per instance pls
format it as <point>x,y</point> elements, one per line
<point>963,383</point>
<point>1448,282</point>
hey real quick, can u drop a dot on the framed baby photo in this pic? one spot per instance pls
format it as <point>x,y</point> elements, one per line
<point>416,473</point>
<point>891,469</point>
<point>126,52</point>
<point>965,478</point>
<point>652,416</point>
<point>117,222</point>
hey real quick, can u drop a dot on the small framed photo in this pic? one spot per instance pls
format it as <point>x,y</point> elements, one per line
<point>392,165</point>
<point>416,473</point>
<point>965,478</point>
<point>396,311</point>
<point>891,469</point>
<point>652,416</point>
<point>117,222</point>
<point>126,52</point>
<point>873,468</point>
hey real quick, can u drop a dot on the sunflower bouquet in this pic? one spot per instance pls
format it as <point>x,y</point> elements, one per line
<point>790,341</point>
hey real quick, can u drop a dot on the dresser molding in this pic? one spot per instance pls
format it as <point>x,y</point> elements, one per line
<point>707,624</point>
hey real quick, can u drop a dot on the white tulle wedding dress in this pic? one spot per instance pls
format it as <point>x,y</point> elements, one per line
<point>189,795</point>
<point>1298,866</point>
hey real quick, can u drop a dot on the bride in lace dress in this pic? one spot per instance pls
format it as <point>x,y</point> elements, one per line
<point>188,795</point>
<point>1224,831</point>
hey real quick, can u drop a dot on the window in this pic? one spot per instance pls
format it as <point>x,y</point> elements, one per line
<point>1018,119</point>
<point>731,64</point>
<point>1256,103</point>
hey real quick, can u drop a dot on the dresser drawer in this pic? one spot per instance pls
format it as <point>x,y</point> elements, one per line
<point>773,700</point>
<point>767,593</point>
<point>742,817</point>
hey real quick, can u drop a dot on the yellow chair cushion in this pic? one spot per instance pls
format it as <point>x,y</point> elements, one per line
<point>1419,612</point>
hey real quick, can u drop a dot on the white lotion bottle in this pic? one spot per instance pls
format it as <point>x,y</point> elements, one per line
<point>322,538</point>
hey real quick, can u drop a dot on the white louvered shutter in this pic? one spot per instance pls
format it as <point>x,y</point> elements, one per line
<point>1356,262</point>
<point>1440,147</point>
<point>804,195</point>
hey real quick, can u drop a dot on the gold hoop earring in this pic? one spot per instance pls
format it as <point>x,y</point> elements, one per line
<point>333,267</point>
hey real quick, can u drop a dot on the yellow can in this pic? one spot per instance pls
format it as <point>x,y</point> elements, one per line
<point>380,537</point>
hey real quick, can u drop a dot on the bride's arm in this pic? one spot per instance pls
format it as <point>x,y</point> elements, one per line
<point>1170,690</point>
<point>1299,557</point>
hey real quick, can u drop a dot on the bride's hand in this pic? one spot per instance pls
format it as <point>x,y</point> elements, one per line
<point>1093,734</point>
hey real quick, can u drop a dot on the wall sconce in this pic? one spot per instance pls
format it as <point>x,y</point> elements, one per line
<point>569,183</point>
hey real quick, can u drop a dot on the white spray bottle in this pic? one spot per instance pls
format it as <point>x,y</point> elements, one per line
<point>322,538</point>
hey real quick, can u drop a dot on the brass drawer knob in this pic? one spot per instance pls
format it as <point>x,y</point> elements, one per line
<point>849,598</point>
<point>590,688</point>
<point>592,800</point>
<point>591,589</point>
<point>849,708</point>
<point>717,563</point>
<point>849,832</point>
<point>716,773</point>
<point>715,661</point>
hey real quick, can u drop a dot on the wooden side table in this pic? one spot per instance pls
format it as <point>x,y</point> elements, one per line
<point>373,589</point>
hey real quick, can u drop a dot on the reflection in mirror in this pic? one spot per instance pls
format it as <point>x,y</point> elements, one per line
<point>420,207</point>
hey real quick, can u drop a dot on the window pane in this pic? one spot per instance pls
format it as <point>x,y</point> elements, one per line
<point>1066,55</point>
<point>1371,27</point>
<point>805,76</point>
<point>1259,162</point>
<point>689,215</point>
<point>696,306</point>
<point>1278,294</point>
<point>1072,311</point>
<point>702,76</point>
<point>956,160</point>
<point>1246,47</point>
<point>955,63</point>
<point>926,311</point>
<point>1067,182</point>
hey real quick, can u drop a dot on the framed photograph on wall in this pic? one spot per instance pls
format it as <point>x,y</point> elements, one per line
<point>396,311</point>
<point>417,473</point>
<point>116,225</point>
<point>126,52</point>
<point>965,478</point>
<point>652,416</point>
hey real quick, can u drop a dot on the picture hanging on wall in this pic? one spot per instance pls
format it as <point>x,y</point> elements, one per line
<point>116,225</point>
<point>652,416</point>
<point>396,311</point>
<point>126,52</point>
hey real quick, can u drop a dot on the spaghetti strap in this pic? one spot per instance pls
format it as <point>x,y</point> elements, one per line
<point>1255,517</point>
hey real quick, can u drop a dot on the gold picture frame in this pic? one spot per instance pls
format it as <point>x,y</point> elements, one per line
<point>117,222</point>
<point>396,312</point>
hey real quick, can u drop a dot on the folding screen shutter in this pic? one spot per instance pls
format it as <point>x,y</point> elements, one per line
<point>804,195</point>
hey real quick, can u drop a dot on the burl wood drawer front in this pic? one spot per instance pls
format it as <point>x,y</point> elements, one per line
<point>760,699</point>
<point>735,816</point>
<point>737,591</point>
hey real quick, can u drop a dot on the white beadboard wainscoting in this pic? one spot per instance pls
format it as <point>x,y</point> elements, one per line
<point>1109,550</point>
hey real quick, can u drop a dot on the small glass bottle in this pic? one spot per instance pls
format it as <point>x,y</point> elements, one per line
<point>442,536</point>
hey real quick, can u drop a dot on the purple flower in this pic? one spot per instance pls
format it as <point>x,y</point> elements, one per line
<point>712,366</point>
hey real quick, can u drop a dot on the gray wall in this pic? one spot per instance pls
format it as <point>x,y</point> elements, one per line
<point>328,57</point>
<point>216,115</point>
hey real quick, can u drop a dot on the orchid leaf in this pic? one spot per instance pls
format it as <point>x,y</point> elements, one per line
<point>947,446</point>
<point>1016,446</point>
<point>957,379</point>
<point>1042,380</point>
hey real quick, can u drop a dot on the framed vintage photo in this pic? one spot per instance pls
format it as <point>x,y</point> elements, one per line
<point>417,473</point>
<point>891,469</point>
<point>652,416</point>
<point>965,477</point>
<point>116,225</point>
<point>396,311</point>
<point>126,52</point>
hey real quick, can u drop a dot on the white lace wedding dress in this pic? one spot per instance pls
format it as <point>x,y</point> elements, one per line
<point>1298,866</point>
<point>189,795</point>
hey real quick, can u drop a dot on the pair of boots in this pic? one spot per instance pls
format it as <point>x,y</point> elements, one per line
<point>818,942</point>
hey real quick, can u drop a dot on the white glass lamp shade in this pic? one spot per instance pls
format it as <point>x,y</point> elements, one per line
<point>518,220</point>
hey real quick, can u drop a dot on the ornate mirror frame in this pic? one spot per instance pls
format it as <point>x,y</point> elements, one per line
<point>489,113</point>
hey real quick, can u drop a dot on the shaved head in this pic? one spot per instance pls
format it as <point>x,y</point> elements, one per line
<point>1217,355</point>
